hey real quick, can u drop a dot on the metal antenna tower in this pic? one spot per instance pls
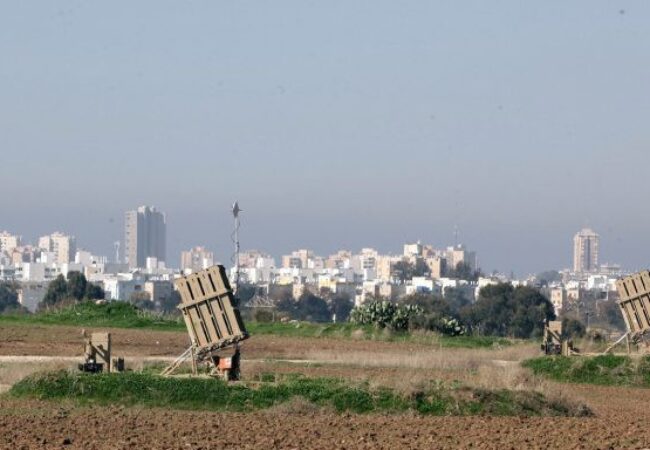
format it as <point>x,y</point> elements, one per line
<point>235,239</point>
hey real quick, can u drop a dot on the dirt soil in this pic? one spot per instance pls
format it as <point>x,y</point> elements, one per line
<point>621,422</point>
<point>47,340</point>
<point>621,414</point>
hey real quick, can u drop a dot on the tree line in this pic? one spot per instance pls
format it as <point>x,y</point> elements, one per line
<point>500,310</point>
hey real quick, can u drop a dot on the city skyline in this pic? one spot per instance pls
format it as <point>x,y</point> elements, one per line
<point>420,267</point>
<point>517,123</point>
<point>224,257</point>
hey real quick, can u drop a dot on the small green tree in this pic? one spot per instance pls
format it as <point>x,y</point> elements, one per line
<point>94,292</point>
<point>312,308</point>
<point>457,299</point>
<point>76,285</point>
<point>56,292</point>
<point>75,288</point>
<point>142,300</point>
<point>548,276</point>
<point>170,303</point>
<point>402,271</point>
<point>463,271</point>
<point>9,298</point>
<point>341,305</point>
<point>405,270</point>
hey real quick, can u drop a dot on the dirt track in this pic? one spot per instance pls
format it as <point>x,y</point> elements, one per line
<point>622,415</point>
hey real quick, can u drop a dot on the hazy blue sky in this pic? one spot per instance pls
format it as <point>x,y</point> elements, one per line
<point>337,124</point>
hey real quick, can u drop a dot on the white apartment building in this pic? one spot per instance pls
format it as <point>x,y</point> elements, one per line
<point>122,286</point>
<point>251,258</point>
<point>8,242</point>
<point>38,272</point>
<point>420,285</point>
<point>459,254</point>
<point>413,251</point>
<point>62,246</point>
<point>300,259</point>
<point>85,258</point>
<point>340,260</point>
<point>196,259</point>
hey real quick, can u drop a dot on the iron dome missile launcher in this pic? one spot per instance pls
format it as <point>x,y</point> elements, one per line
<point>213,322</point>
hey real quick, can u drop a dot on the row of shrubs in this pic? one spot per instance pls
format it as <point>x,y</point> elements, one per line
<point>400,317</point>
<point>132,388</point>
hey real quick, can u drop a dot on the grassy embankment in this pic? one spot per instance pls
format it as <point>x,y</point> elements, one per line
<point>89,314</point>
<point>606,370</point>
<point>272,390</point>
<point>124,315</point>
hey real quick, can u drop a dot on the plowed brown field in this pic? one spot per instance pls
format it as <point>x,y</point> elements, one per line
<point>621,415</point>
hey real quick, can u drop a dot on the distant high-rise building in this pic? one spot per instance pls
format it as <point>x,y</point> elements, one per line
<point>63,247</point>
<point>413,250</point>
<point>437,266</point>
<point>8,242</point>
<point>196,259</point>
<point>585,251</point>
<point>459,254</point>
<point>298,259</point>
<point>145,236</point>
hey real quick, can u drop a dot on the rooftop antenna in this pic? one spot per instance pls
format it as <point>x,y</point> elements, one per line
<point>116,244</point>
<point>235,239</point>
<point>456,232</point>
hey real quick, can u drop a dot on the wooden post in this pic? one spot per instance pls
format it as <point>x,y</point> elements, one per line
<point>194,368</point>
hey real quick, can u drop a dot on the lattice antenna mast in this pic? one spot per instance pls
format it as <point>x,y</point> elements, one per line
<point>235,239</point>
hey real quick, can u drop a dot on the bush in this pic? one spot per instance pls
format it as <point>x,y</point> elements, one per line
<point>262,315</point>
<point>572,328</point>
<point>609,370</point>
<point>436,314</point>
<point>385,314</point>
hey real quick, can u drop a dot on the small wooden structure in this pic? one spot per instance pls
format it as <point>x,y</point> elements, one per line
<point>554,343</point>
<point>97,354</point>
<point>213,322</point>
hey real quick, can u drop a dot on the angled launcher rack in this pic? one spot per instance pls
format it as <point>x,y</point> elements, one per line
<point>634,301</point>
<point>213,322</point>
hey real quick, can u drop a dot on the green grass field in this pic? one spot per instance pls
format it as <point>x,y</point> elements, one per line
<point>213,394</point>
<point>89,314</point>
<point>607,370</point>
<point>125,315</point>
